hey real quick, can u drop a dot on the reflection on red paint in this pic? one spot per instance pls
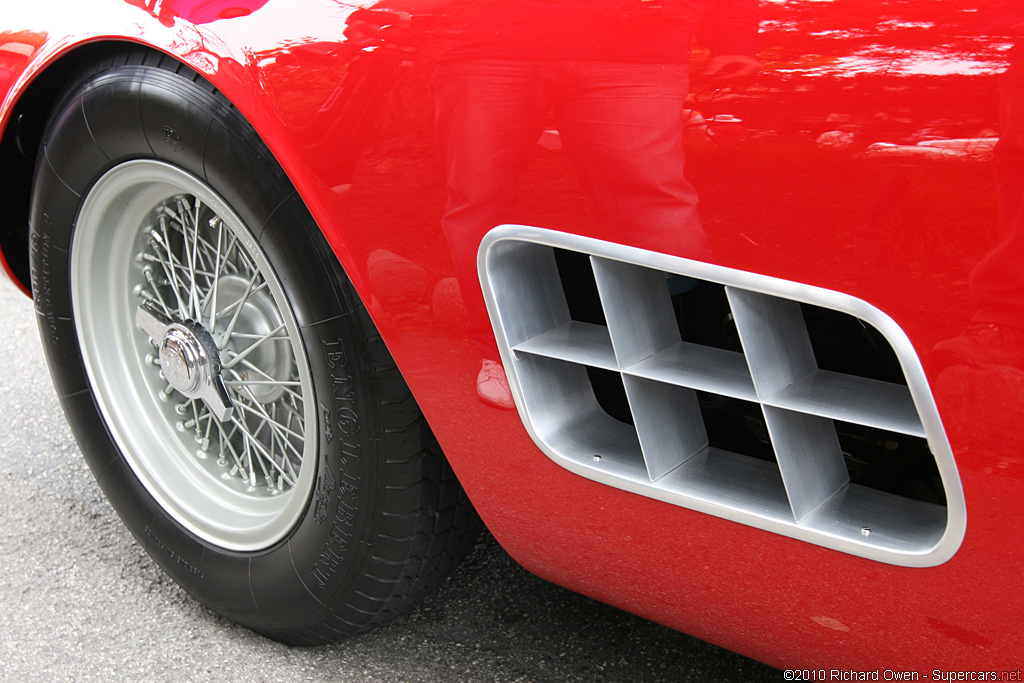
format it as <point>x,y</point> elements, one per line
<point>197,11</point>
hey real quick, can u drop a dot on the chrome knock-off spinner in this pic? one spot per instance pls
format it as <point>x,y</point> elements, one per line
<point>189,360</point>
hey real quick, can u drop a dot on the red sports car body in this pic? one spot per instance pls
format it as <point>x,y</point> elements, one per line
<point>789,426</point>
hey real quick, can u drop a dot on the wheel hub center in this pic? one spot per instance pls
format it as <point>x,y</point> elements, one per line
<point>189,359</point>
<point>186,360</point>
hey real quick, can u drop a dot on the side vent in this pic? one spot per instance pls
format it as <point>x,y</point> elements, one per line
<point>787,407</point>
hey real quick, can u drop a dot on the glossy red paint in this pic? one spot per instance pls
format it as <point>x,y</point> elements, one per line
<point>827,168</point>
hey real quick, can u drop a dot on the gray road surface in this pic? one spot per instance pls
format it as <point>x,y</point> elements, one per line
<point>80,601</point>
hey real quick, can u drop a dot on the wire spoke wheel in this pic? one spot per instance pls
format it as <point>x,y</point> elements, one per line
<point>229,468</point>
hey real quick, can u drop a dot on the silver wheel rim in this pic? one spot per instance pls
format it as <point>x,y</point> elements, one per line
<point>154,243</point>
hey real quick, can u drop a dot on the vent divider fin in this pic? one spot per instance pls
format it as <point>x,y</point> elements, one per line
<point>778,350</point>
<point>576,342</point>
<point>668,423</point>
<point>524,281</point>
<point>859,400</point>
<point>809,456</point>
<point>606,443</point>
<point>699,367</point>
<point>774,338</point>
<point>641,324</point>
<point>638,309</point>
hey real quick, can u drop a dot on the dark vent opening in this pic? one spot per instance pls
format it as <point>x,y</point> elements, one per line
<point>610,393</point>
<point>736,426</point>
<point>580,287</point>
<point>844,343</point>
<point>703,313</point>
<point>895,463</point>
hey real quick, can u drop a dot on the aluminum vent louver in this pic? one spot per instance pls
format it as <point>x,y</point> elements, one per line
<point>661,448</point>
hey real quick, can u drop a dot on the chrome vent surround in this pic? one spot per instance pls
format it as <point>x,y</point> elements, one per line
<point>803,489</point>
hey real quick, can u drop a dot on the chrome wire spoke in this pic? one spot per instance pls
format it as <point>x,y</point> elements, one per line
<point>236,358</point>
<point>172,264</point>
<point>220,268</point>
<point>251,444</point>
<point>260,382</point>
<point>156,297</point>
<point>286,386</point>
<point>192,254</point>
<point>240,302</point>
<point>239,307</point>
<point>245,335</point>
<point>226,444</point>
<point>265,419</point>
<point>194,272</point>
<point>165,259</point>
<point>260,437</point>
<point>186,222</point>
<point>184,219</point>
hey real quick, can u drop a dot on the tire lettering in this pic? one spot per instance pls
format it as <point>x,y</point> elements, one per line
<point>328,423</point>
<point>173,556</point>
<point>341,492</point>
<point>334,353</point>
<point>344,392</point>
<point>322,496</point>
<point>327,563</point>
<point>173,138</point>
<point>348,487</point>
<point>40,274</point>
<point>348,422</point>
<point>343,389</point>
<point>349,453</point>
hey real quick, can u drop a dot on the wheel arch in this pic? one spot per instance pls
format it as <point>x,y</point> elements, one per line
<point>34,101</point>
<point>19,148</point>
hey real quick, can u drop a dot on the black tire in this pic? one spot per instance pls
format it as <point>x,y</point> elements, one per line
<point>383,519</point>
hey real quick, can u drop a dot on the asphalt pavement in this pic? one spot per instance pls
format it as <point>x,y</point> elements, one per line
<point>81,601</point>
